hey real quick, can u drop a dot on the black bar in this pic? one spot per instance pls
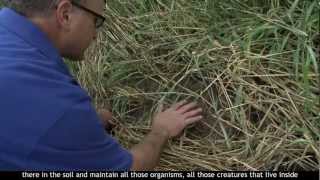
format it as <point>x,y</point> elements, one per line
<point>157,175</point>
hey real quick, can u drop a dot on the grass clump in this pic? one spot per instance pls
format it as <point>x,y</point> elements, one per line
<point>252,65</point>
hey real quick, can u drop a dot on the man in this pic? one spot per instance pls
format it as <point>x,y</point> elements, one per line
<point>47,120</point>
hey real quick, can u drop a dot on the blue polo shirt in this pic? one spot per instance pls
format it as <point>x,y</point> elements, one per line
<point>47,121</point>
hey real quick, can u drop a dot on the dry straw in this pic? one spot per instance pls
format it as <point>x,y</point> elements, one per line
<point>252,65</point>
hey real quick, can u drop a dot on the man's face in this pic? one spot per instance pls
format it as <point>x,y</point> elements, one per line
<point>83,28</point>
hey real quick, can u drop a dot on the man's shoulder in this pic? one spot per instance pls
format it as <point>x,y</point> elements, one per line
<point>35,94</point>
<point>32,103</point>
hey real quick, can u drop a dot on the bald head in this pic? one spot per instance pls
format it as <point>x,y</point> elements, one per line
<point>71,25</point>
<point>30,8</point>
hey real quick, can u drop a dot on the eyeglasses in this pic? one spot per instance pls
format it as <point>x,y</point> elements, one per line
<point>99,19</point>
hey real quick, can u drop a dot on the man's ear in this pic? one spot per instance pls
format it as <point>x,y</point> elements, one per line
<point>64,14</point>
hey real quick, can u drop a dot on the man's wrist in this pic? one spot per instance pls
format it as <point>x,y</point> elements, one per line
<point>161,133</point>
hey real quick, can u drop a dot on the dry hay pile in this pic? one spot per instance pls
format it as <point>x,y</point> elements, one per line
<point>252,65</point>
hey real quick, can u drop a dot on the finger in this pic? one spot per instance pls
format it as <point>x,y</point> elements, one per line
<point>105,114</point>
<point>179,104</point>
<point>110,125</point>
<point>193,113</point>
<point>193,120</point>
<point>160,107</point>
<point>187,107</point>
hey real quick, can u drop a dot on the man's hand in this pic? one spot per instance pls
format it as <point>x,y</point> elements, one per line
<point>166,124</point>
<point>172,121</point>
<point>106,118</point>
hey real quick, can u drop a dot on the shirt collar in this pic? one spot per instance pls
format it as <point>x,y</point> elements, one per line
<point>30,33</point>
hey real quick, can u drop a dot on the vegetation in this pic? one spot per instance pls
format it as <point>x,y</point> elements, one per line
<point>253,65</point>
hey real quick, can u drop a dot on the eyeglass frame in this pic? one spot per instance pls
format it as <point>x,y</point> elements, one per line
<point>99,21</point>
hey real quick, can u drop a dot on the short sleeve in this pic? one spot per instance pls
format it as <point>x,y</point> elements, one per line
<point>78,141</point>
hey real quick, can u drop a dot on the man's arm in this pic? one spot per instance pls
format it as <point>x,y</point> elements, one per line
<point>146,155</point>
<point>166,124</point>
